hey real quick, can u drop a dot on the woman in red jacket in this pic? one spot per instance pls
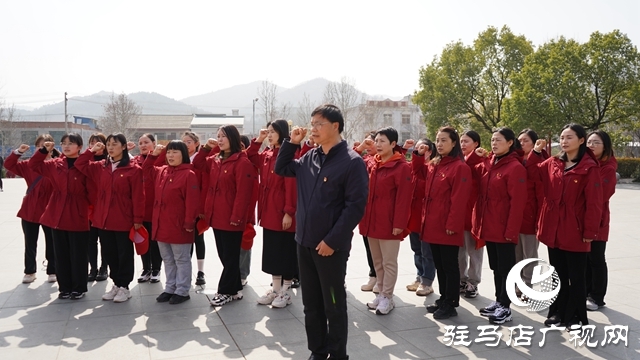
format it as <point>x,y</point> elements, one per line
<point>95,273</point>
<point>231,174</point>
<point>569,219</point>
<point>175,209</point>
<point>119,207</point>
<point>597,273</point>
<point>151,260</point>
<point>447,188</point>
<point>277,199</point>
<point>67,214</point>
<point>471,253</point>
<point>386,215</point>
<point>497,216</point>
<point>422,257</point>
<point>33,204</point>
<point>527,246</point>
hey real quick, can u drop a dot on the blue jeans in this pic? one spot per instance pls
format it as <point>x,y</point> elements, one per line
<point>423,259</point>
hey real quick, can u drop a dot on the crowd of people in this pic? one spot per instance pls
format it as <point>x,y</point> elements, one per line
<point>452,198</point>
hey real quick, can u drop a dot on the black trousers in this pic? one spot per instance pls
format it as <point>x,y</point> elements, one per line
<point>570,304</point>
<point>31,232</point>
<point>199,245</point>
<point>228,245</point>
<point>502,257</point>
<point>325,300</point>
<point>71,260</point>
<point>151,260</point>
<point>117,250</point>
<point>372,269</point>
<point>597,272</point>
<point>445,258</point>
<point>94,235</point>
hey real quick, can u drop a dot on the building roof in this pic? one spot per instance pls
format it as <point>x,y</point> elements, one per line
<point>169,122</point>
<point>216,120</point>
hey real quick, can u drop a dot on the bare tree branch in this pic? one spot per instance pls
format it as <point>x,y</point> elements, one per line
<point>120,116</point>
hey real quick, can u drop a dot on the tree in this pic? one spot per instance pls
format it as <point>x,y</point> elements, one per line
<point>345,96</point>
<point>469,84</point>
<point>595,84</point>
<point>303,113</point>
<point>9,134</point>
<point>273,110</point>
<point>121,115</point>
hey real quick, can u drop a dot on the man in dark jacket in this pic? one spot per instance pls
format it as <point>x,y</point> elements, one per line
<point>332,186</point>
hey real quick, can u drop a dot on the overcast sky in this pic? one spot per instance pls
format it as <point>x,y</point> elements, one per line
<point>185,48</point>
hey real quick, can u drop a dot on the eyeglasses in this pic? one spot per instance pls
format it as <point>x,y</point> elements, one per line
<point>594,143</point>
<point>318,125</point>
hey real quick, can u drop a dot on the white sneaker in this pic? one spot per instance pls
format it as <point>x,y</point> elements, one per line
<point>370,284</point>
<point>385,306</point>
<point>591,305</point>
<point>111,294</point>
<point>52,278</point>
<point>244,282</point>
<point>122,295</point>
<point>413,286</point>
<point>424,290</point>
<point>267,299</point>
<point>372,305</point>
<point>28,278</point>
<point>282,300</point>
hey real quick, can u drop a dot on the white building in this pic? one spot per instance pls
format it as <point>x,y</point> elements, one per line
<point>403,115</point>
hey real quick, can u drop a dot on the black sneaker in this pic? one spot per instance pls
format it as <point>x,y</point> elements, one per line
<point>434,307</point>
<point>491,309</point>
<point>102,274</point>
<point>145,276</point>
<point>92,275</point>
<point>502,315</point>
<point>155,276</point>
<point>64,295</point>
<point>76,295</point>
<point>444,312</point>
<point>164,297</point>
<point>200,278</point>
<point>295,283</point>
<point>553,320</point>
<point>463,286</point>
<point>471,291</point>
<point>178,299</point>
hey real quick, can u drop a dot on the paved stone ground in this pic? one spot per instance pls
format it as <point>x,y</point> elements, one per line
<point>35,324</point>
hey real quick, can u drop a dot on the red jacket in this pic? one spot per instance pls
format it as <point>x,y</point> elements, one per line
<point>229,191</point>
<point>502,196</point>
<point>608,174</point>
<point>120,202</point>
<point>418,174</point>
<point>149,188</point>
<point>389,192</point>
<point>175,206</point>
<point>33,203</point>
<point>572,206</point>
<point>535,194</point>
<point>277,195</point>
<point>92,189</point>
<point>447,188</point>
<point>472,160</point>
<point>68,207</point>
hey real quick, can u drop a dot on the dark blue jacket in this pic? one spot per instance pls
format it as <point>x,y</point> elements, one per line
<point>332,194</point>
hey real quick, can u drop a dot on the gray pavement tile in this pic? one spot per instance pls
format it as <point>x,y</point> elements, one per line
<point>268,332</point>
<point>212,341</point>
<point>124,347</point>
<point>104,327</point>
<point>93,309</point>
<point>181,319</point>
<point>33,335</point>
<point>33,315</point>
<point>279,351</point>
<point>238,312</point>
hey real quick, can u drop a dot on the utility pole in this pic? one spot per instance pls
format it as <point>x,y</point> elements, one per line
<point>253,127</point>
<point>66,125</point>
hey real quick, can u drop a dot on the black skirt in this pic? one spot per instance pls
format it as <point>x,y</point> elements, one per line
<point>279,253</point>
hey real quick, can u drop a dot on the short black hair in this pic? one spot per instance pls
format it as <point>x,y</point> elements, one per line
<point>232,133</point>
<point>119,137</point>
<point>390,133</point>
<point>607,151</point>
<point>98,137</point>
<point>332,113</point>
<point>182,147</point>
<point>582,134</point>
<point>473,135</point>
<point>244,139</point>
<point>73,138</point>
<point>281,127</point>
<point>149,136</point>
<point>531,134</point>
<point>509,135</point>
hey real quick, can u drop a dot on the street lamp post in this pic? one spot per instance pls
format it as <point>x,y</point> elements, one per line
<point>253,127</point>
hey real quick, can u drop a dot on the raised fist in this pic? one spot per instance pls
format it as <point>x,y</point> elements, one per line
<point>540,145</point>
<point>298,134</point>
<point>97,147</point>
<point>157,150</point>
<point>408,144</point>
<point>48,145</point>
<point>482,152</point>
<point>422,149</point>
<point>131,145</point>
<point>23,148</point>
<point>211,143</point>
<point>263,135</point>
<point>368,143</point>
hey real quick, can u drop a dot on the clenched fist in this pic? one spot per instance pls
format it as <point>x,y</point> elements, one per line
<point>297,135</point>
<point>97,148</point>
<point>23,148</point>
<point>540,145</point>
<point>263,135</point>
<point>211,143</point>
<point>48,145</point>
